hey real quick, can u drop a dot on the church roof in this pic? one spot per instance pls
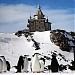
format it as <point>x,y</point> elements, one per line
<point>39,12</point>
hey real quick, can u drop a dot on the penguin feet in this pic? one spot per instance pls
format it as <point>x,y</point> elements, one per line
<point>42,72</point>
<point>36,72</point>
<point>26,71</point>
<point>18,72</point>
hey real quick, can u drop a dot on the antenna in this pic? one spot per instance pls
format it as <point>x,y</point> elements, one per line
<point>39,6</point>
<point>30,16</point>
<point>47,18</point>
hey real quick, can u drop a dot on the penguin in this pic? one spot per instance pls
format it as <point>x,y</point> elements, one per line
<point>25,69</point>
<point>8,65</point>
<point>54,64</point>
<point>4,63</point>
<point>35,63</point>
<point>20,64</point>
<point>42,63</point>
<point>1,65</point>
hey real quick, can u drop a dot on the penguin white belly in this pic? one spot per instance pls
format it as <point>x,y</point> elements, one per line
<point>4,64</point>
<point>1,65</point>
<point>42,65</point>
<point>35,64</point>
<point>25,65</point>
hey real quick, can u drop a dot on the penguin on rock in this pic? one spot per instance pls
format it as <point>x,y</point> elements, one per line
<point>1,65</point>
<point>4,63</point>
<point>35,63</point>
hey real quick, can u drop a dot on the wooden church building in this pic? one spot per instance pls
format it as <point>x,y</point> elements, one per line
<point>38,23</point>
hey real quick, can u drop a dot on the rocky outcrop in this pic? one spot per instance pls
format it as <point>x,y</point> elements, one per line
<point>62,39</point>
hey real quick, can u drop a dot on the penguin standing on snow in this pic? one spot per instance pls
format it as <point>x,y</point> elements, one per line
<point>25,69</point>
<point>1,65</point>
<point>42,63</point>
<point>4,63</point>
<point>35,63</point>
<point>54,64</point>
<point>8,65</point>
<point>20,64</point>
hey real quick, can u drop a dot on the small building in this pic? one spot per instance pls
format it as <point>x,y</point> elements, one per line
<point>38,23</point>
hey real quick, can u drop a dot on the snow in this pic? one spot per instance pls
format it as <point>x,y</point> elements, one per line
<point>12,47</point>
<point>37,74</point>
<point>68,35</point>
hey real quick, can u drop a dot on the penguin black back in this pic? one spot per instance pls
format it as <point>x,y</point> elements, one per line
<point>43,60</point>
<point>8,65</point>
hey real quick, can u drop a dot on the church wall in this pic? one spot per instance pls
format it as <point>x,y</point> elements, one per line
<point>46,26</point>
<point>49,26</point>
<point>39,25</point>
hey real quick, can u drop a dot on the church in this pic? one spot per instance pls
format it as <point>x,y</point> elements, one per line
<point>38,23</point>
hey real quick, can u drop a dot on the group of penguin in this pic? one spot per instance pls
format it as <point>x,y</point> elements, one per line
<point>37,64</point>
<point>4,65</point>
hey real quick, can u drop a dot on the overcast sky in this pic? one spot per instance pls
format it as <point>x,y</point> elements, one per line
<point>14,14</point>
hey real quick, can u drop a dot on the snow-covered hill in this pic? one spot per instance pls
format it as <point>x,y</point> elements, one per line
<point>12,47</point>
